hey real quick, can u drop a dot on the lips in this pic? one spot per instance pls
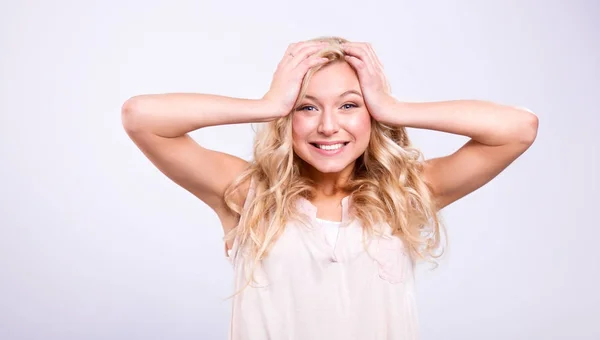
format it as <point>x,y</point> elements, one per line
<point>330,148</point>
<point>329,145</point>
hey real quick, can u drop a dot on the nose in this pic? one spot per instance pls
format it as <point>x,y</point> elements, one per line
<point>328,124</point>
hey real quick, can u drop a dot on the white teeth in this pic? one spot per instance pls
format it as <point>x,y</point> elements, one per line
<point>330,147</point>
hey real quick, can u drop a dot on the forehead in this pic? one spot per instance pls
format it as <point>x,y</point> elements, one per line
<point>332,80</point>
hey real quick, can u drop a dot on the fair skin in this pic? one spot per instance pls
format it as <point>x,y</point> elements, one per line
<point>499,134</point>
<point>159,126</point>
<point>332,111</point>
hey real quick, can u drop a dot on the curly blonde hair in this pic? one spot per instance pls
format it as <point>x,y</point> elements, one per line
<point>387,185</point>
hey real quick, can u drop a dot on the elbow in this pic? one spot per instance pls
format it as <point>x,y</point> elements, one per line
<point>130,115</point>
<point>529,127</point>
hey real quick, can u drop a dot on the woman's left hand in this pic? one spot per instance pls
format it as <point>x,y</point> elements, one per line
<point>375,87</point>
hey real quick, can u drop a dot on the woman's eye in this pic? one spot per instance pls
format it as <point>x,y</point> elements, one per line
<point>304,108</point>
<point>312,108</point>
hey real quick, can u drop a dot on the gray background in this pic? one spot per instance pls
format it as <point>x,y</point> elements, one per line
<point>95,243</point>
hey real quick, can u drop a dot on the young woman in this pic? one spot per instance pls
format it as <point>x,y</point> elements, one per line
<point>325,225</point>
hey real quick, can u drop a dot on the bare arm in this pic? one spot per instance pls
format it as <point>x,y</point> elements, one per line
<point>499,135</point>
<point>159,125</point>
<point>175,114</point>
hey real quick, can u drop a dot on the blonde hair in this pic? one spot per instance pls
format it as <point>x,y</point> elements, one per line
<point>387,185</point>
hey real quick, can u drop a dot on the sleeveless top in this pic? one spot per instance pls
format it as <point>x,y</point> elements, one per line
<point>310,289</point>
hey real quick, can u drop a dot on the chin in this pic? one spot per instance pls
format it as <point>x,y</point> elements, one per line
<point>329,167</point>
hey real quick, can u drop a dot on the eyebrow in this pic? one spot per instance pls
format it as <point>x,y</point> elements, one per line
<point>341,95</point>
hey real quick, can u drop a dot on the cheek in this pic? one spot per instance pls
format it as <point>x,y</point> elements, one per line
<point>300,129</point>
<point>303,125</point>
<point>360,126</point>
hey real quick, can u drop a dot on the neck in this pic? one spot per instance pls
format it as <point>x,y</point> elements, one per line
<point>331,183</point>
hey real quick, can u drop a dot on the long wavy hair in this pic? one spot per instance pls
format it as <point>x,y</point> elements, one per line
<point>387,185</point>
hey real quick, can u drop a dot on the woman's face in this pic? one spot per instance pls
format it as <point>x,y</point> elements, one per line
<point>331,126</point>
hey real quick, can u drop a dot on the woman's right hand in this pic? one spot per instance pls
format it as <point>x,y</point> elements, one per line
<point>287,80</point>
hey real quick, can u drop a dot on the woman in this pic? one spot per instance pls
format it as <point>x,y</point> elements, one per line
<point>325,225</point>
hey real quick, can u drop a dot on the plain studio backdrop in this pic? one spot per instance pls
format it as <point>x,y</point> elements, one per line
<point>95,243</point>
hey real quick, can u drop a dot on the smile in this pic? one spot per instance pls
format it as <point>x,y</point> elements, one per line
<point>329,149</point>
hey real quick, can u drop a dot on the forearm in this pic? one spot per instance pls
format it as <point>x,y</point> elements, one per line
<point>485,122</point>
<point>175,114</point>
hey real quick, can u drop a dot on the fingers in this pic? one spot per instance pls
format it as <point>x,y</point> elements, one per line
<point>359,57</point>
<point>302,51</point>
<point>373,55</point>
<point>313,60</point>
<point>294,49</point>
<point>290,60</point>
<point>363,58</point>
<point>299,58</point>
<point>358,64</point>
<point>365,54</point>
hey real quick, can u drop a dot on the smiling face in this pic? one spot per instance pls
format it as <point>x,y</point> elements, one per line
<point>331,126</point>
